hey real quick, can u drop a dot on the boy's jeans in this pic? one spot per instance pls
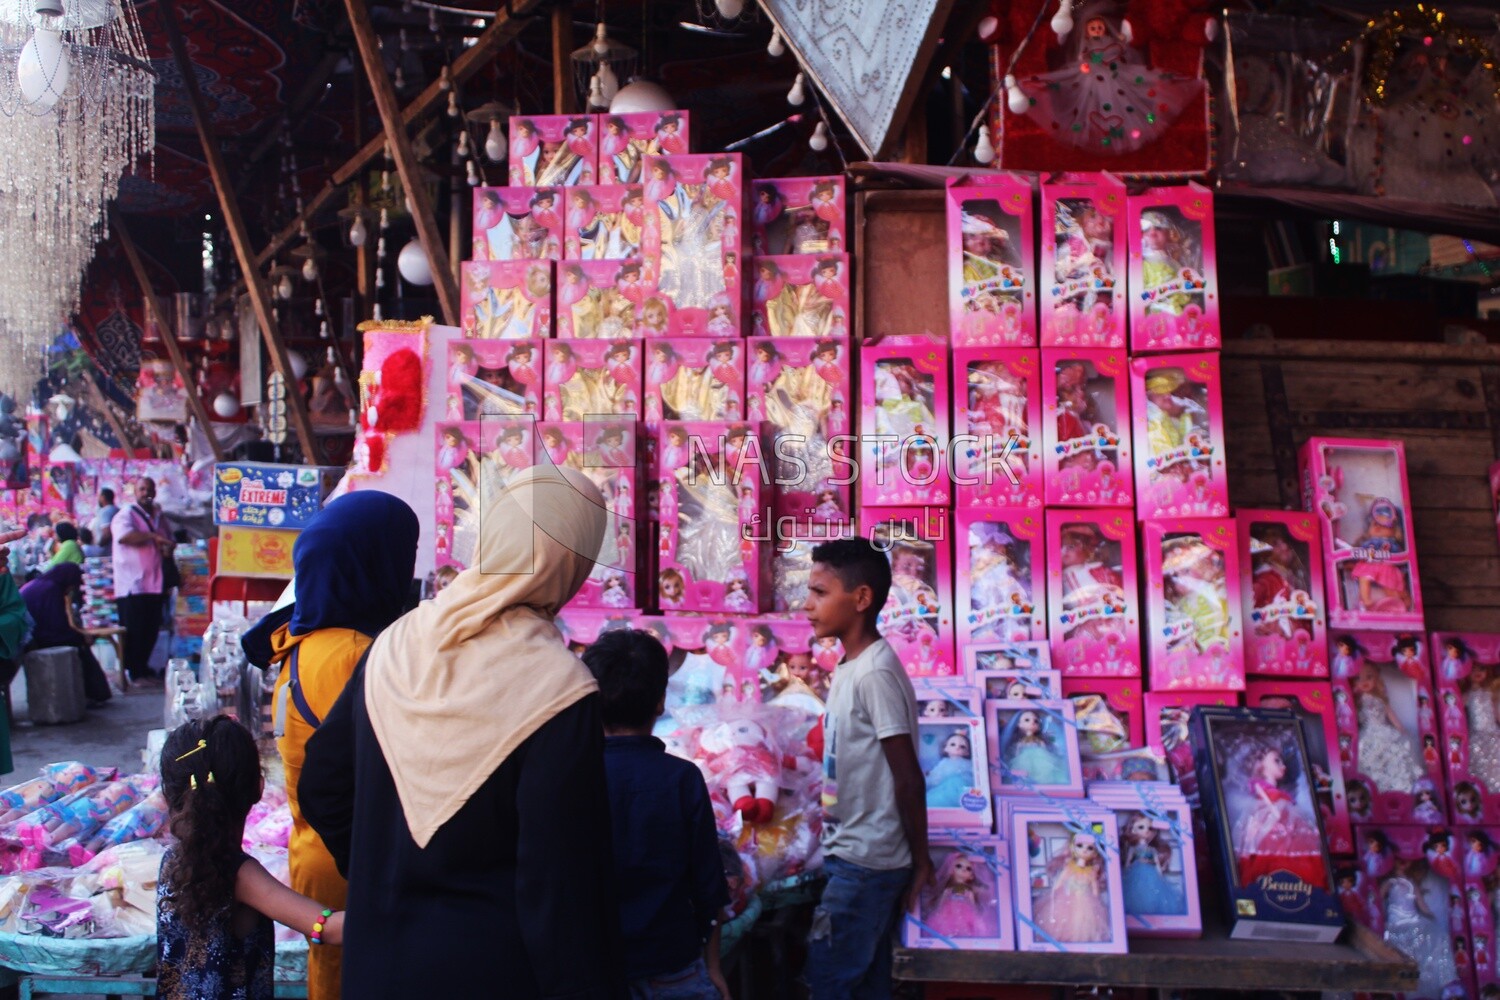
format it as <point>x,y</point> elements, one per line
<point>691,983</point>
<point>849,947</point>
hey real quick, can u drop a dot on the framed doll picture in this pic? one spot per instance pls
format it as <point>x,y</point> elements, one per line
<point>1314,704</point>
<point>951,754</point>
<point>1159,873</point>
<point>1034,747</point>
<point>968,903</point>
<point>1070,895</point>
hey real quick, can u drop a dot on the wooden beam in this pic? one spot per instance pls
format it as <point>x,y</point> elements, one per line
<point>407,164</point>
<point>118,426</point>
<point>564,101</point>
<point>168,340</point>
<point>510,21</point>
<point>234,220</point>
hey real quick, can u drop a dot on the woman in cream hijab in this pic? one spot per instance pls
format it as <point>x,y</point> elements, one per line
<point>459,780</point>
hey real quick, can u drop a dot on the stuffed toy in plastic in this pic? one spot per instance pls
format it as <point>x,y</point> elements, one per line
<point>741,761</point>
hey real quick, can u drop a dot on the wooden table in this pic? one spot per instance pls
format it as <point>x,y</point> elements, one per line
<point>115,634</point>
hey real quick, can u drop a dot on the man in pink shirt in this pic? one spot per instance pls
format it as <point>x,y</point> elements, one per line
<point>141,539</point>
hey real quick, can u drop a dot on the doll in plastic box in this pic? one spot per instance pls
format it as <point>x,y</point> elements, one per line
<point>902,399</point>
<point>992,569</point>
<point>692,249</point>
<point>953,774</point>
<point>1387,754</point>
<point>1032,750</point>
<point>1087,581</point>
<point>1278,575</point>
<point>1077,416</point>
<point>1275,830</point>
<point>1193,575</point>
<point>1145,855</point>
<point>960,901</point>
<point>1411,926</point>
<point>1383,586</point>
<point>1174,420</point>
<point>1168,255</point>
<point>1482,706</point>
<point>1073,904</point>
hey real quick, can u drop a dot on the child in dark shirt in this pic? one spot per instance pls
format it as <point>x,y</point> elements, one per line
<point>667,868</point>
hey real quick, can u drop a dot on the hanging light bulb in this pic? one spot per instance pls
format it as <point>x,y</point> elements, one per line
<point>42,71</point>
<point>1127,31</point>
<point>399,79</point>
<point>984,149</point>
<point>413,264</point>
<point>379,281</point>
<point>474,176</point>
<point>463,144</point>
<point>797,94</point>
<point>323,331</point>
<point>452,104</point>
<point>818,141</point>
<point>385,219</point>
<point>1015,97</point>
<point>359,232</point>
<point>285,289</point>
<point>777,47</point>
<point>730,9</point>
<point>309,270</point>
<point>601,41</point>
<point>317,307</point>
<point>445,81</point>
<point>495,145</point>
<point>405,42</point>
<point>609,83</point>
<point>596,92</point>
<point>375,313</point>
<point>1062,21</point>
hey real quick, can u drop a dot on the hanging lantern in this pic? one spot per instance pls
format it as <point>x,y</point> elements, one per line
<point>494,115</point>
<point>413,264</point>
<point>226,405</point>
<point>599,66</point>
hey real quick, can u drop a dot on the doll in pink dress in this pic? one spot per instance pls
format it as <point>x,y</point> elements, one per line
<point>737,595</point>
<point>579,142</point>
<point>655,318</point>
<point>511,450</point>
<point>763,649</point>
<point>1274,833</point>
<point>769,282</point>
<point>720,179</point>
<point>612,451</point>
<point>669,135</point>
<point>544,208</point>
<point>1088,582</point>
<point>629,284</point>
<point>464,367</point>
<point>561,366</point>
<point>581,210</point>
<point>825,362</point>
<point>721,362</point>
<point>960,902</point>
<point>455,449</point>
<point>768,208</point>
<point>1073,908</point>
<point>675,454</point>
<point>664,364</point>
<point>826,654</point>
<point>522,368</point>
<point>720,318</point>
<point>661,183</point>
<point>556,444</point>
<point>1382,584</point>
<point>620,365</point>
<point>1076,416</point>
<point>826,279</point>
<point>766,367</point>
<point>824,198</point>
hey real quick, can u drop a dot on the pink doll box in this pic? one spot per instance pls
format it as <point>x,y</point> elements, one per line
<point>1193,605</point>
<point>603,222</point>
<point>506,299</point>
<point>790,659</point>
<point>951,753</point>
<point>1109,717</point>
<point>1093,619</point>
<point>917,619</point>
<point>802,387</point>
<point>1033,747</point>
<point>1069,893</point>
<point>1083,262</point>
<point>490,377</point>
<point>1389,744</point>
<point>605,451</point>
<point>792,563</point>
<point>791,215</point>
<point>518,223</point>
<point>991,263</point>
<point>473,457</point>
<point>1155,825</point>
<point>968,904</point>
<point>1312,702</point>
<point>600,299</point>
<point>1085,428</point>
<point>1179,436</point>
<point>695,379</point>
<point>1012,669</point>
<point>625,141</point>
<point>1002,579</point>
<point>1168,735</point>
<point>591,377</point>
<point>713,503</point>
<point>1482,849</point>
<point>1495,491</point>
<point>997,395</point>
<point>694,234</point>
<point>1174,285</point>
<point>904,422</point>
<point>553,149</point>
<point>1468,676</point>
<point>1281,584</point>
<point>1357,490</point>
<point>801,295</point>
<point>1395,864</point>
<point>580,627</point>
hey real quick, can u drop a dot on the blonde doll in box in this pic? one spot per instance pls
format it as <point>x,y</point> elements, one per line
<point>1073,907</point>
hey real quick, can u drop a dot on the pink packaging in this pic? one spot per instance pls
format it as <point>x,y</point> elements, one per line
<point>1109,716</point>
<point>794,215</point>
<point>605,451</point>
<point>1495,492</point>
<point>600,299</point>
<point>1312,701</point>
<point>506,299</point>
<point>997,395</point>
<point>802,295</point>
<point>1480,856</point>
<point>802,387</point>
<point>695,379</point>
<point>918,616</point>
<point>1012,669</point>
<point>1281,585</point>
<point>1002,579</point>
<point>1168,734</point>
<point>968,906</point>
<point>1085,428</point>
<point>1155,824</point>
<point>694,231</point>
<point>589,377</point>
<point>1467,678</point>
<point>625,140</point>
<point>951,752</point>
<point>1174,285</point>
<point>1357,490</point>
<point>1070,897</point>
<point>472,457</point>
<point>493,377</point>
<point>604,222</point>
<point>1093,620</point>
<point>518,223</point>
<point>1193,605</point>
<point>1083,262</point>
<point>904,422</point>
<point>1388,730</point>
<point>991,262</point>
<point>786,648</point>
<point>553,149</point>
<point>792,564</point>
<point>580,627</point>
<point>713,498</point>
<point>1179,436</point>
<point>1033,747</point>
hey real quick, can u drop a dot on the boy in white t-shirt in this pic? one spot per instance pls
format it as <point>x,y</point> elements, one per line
<point>874,798</point>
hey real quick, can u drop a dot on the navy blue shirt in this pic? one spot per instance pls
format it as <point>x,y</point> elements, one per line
<point>668,873</point>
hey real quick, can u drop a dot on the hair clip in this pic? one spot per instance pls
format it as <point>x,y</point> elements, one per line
<point>202,745</point>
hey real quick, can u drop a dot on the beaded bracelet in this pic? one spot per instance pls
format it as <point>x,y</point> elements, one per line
<point>316,937</point>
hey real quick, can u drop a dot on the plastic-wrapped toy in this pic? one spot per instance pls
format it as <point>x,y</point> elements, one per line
<point>600,299</point>
<point>904,419</point>
<point>517,223</point>
<point>917,619</point>
<point>1313,702</point>
<point>1083,262</point>
<point>55,781</point>
<point>506,299</point>
<point>967,904</point>
<point>695,379</point>
<point>1085,432</point>
<point>801,295</point>
<point>1068,865</point>
<point>1001,576</point>
<point>489,377</point>
<point>797,215</point>
<point>1468,705</point>
<point>991,261</point>
<point>1174,288</point>
<point>78,815</point>
<point>694,235</point>
<point>626,139</point>
<point>745,766</point>
<point>141,821</point>
<point>1091,593</point>
<point>604,222</point>
<point>998,432</point>
<point>587,377</point>
<point>1157,860</point>
<point>1034,747</point>
<point>1179,437</point>
<point>553,149</point>
<point>802,387</point>
<point>1281,586</point>
<point>1194,615</point>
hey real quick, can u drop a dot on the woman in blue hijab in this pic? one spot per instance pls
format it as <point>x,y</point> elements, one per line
<point>353,566</point>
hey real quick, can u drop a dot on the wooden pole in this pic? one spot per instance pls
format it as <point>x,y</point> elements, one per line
<point>168,340</point>
<point>407,166</point>
<point>234,220</point>
<point>564,101</point>
<point>118,426</point>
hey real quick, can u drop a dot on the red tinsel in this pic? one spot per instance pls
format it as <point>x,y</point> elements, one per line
<point>399,406</point>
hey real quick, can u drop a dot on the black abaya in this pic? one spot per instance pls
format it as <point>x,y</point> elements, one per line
<point>513,895</point>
